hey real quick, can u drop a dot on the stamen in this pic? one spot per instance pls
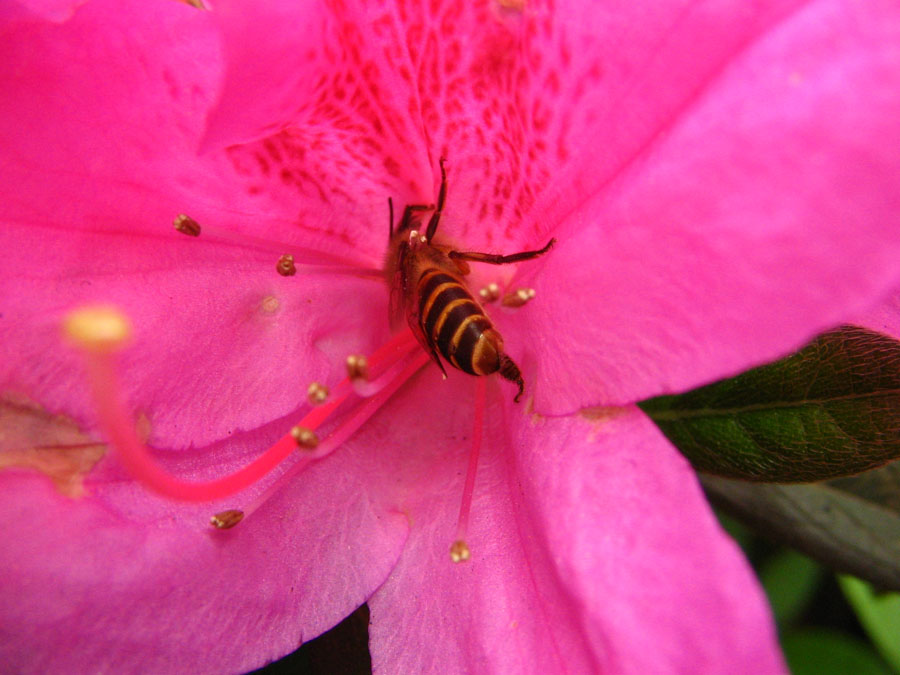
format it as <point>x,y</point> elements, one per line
<point>285,266</point>
<point>306,438</point>
<point>317,393</point>
<point>357,367</point>
<point>518,298</point>
<point>314,261</point>
<point>225,520</point>
<point>490,293</point>
<point>186,225</point>
<point>459,550</point>
<point>347,428</point>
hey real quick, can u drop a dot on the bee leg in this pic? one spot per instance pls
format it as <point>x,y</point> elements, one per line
<point>406,220</point>
<point>462,266</point>
<point>496,259</point>
<point>442,197</point>
<point>510,371</point>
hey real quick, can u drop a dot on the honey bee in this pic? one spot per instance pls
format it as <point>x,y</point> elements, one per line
<point>427,285</point>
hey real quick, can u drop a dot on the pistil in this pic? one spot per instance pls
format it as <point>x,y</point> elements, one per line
<point>100,332</point>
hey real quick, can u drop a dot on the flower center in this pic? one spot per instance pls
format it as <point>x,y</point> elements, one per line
<point>99,332</point>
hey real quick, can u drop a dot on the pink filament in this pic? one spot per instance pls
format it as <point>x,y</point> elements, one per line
<point>319,260</point>
<point>116,423</point>
<point>343,432</point>
<point>477,432</point>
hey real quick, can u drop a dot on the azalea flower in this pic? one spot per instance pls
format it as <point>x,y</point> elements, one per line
<point>721,183</point>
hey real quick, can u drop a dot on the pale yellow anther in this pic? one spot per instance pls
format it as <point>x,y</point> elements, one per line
<point>490,293</point>
<point>225,520</point>
<point>518,298</point>
<point>269,304</point>
<point>97,328</point>
<point>357,367</point>
<point>459,551</point>
<point>317,393</point>
<point>186,225</point>
<point>306,438</point>
<point>285,266</point>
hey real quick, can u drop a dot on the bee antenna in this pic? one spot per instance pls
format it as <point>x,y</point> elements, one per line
<point>390,219</point>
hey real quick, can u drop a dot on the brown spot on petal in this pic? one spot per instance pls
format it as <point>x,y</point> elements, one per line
<point>34,439</point>
<point>602,413</point>
<point>599,416</point>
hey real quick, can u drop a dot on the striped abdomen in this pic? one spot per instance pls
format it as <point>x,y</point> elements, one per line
<point>455,324</point>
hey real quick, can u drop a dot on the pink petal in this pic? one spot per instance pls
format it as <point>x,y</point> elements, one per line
<point>342,83</point>
<point>122,581</point>
<point>766,213</point>
<point>95,168</point>
<point>884,317</point>
<point>593,550</point>
<point>514,98</point>
<point>208,357</point>
<point>47,10</point>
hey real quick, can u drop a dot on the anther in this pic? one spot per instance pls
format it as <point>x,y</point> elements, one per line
<point>285,266</point>
<point>459,551</point>
<point>357,367</point>
<point>518,298</point>
<point>306,438</point>
<point>269,304</point>
<point>225,520</point>
<point>317,393</point>
<point>98,329</point>
<point>186,225</point>
<point>490,293</point>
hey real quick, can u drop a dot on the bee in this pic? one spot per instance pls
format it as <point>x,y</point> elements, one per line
<point>427,285</point>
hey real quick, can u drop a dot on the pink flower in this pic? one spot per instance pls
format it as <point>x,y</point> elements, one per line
<point>722,185</point>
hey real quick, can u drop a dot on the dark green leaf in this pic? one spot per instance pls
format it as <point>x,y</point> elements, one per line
<point>790,581</point>
<point>880,486</point>
<point>841,530</point>
<point>831,409</point>
<point>819,651</point>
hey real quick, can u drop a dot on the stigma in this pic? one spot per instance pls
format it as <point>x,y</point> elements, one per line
<point>97,328</point>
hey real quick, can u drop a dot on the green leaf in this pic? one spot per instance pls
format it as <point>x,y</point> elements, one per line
<point>831,409</point>
<point>790,581</point>
<point>819,651</point>
<point>879,613</point>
